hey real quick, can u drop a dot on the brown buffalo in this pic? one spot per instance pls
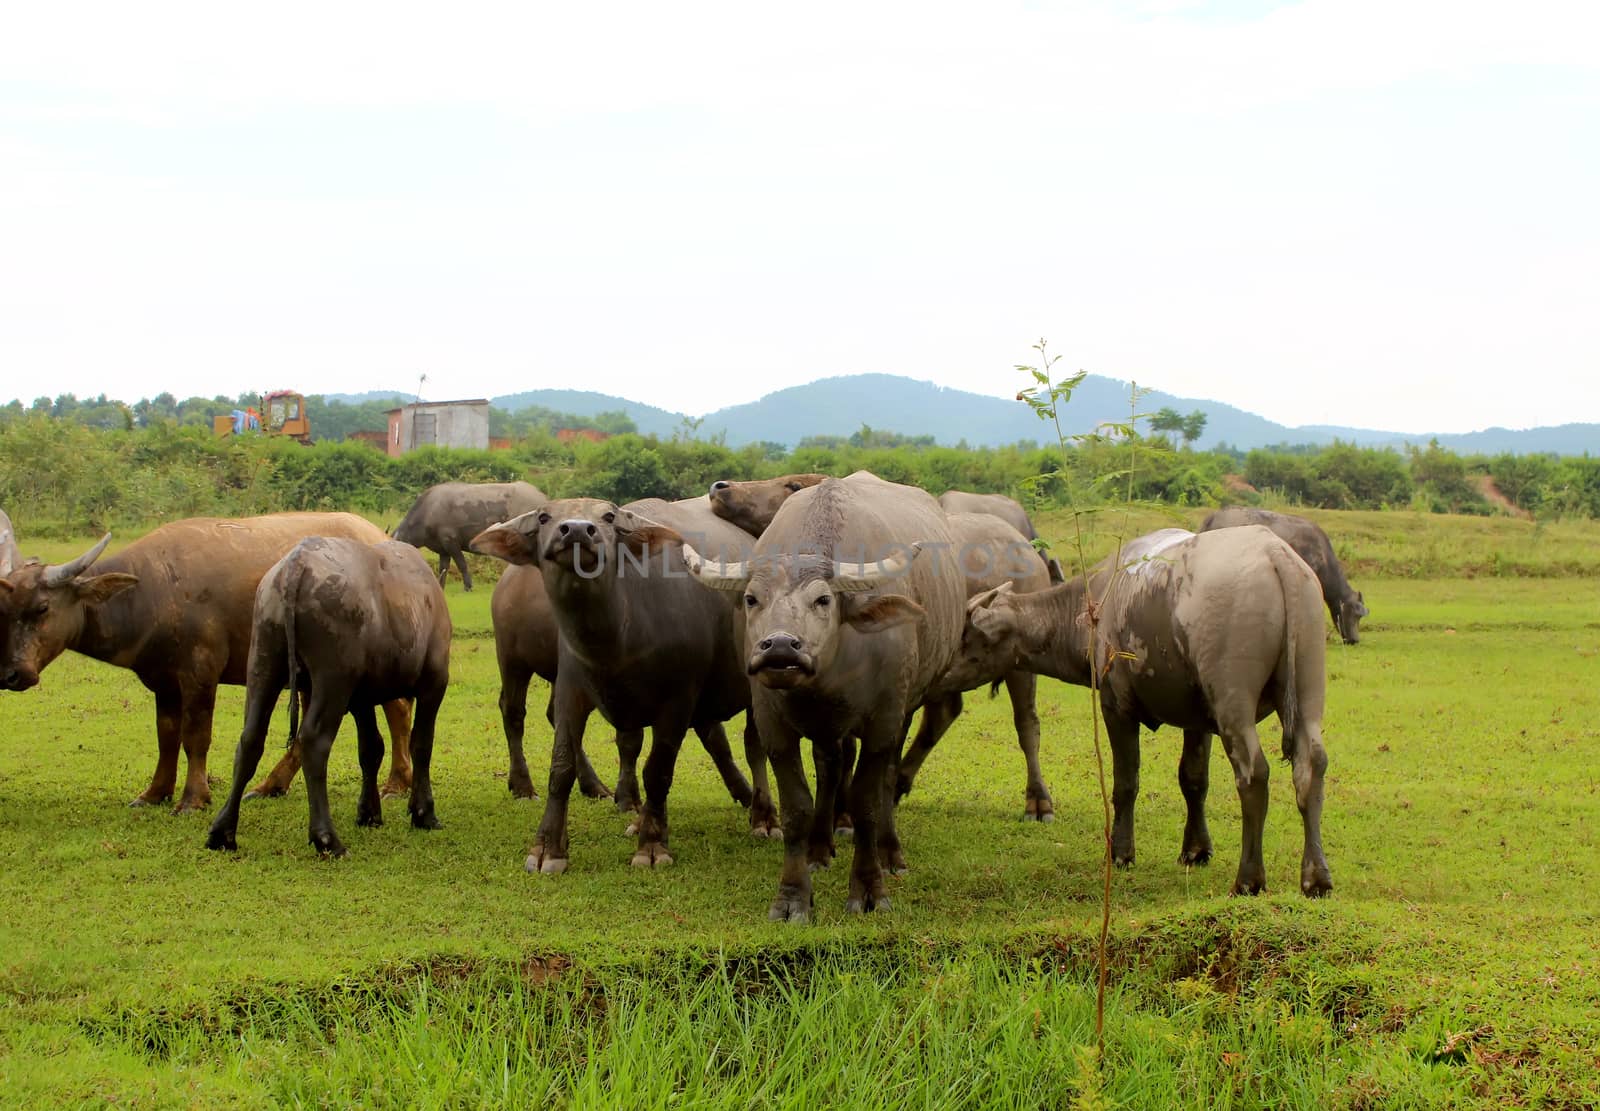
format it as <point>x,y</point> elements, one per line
<point>846,632</point>
<point>175,609</point>
<point>1308,540</point>
<point>357,624</point>
<point>1209,633</point>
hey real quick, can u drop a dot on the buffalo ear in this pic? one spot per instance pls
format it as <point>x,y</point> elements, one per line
<point>648,536</point>
<point>101,588</point>
<point>5,586</point>
<point>504,542</point>
<point>883,612</point>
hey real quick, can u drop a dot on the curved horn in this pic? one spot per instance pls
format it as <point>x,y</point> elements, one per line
<point>718,576</point>
<point>858,578</point>
<point>988,597</point>
<point>55,576</point>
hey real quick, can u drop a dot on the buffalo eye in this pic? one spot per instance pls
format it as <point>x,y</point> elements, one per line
<point>823,601</point>
<point>792,487</point>
<point>37,610</point>
<point>609,518</point>
<point>544,518</point>
<point>750,601</point>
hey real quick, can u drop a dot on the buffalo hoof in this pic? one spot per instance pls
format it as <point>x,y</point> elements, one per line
<point>542,861</point>
<point>819,854</point>
<point>764,822</point>
<point>1039,810</point>
<point>844,826</point>
<point>425,820</point>
<point>895,862</point>
<point>222,839</point>
<point>370,821</point>
<point>190,806</point>
<point>1122,860</point>
<point>1248,887</point>
<point>866,904</point>
<point>1315,882</point>
<point>792,904</point>
<point>633,828</point>
<point>394,788</point>
<point>521,787</point>
<point>592,790</point>
<point>266,791</point>
<point>1194,855</point>
<point>652,854</point>
<point>328,844</point>
<point>146,800</point>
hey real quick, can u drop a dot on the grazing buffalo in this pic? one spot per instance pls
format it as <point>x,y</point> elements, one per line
<point>175,609</point>
<point>1209,633</point>
<point>357,624</point>
<point>846,632</point>
<point>639,641</point>
<point>9,556</point>
<point>1312,545</point>
<point>446,517</point>
<point>996,505</point>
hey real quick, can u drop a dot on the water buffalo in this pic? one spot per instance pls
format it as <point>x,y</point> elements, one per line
<point>446,517</point>
<point>996,505</point>
<point>1209,633</point>
<point>993,550</point>
<point>175,609</point>
<point>357,624</point>
<point>841,646</point>
<point>1313,546</point>
<point>639,641</point>
<point>9,556</point>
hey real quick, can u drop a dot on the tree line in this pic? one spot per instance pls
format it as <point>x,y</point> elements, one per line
<point>59,474</point>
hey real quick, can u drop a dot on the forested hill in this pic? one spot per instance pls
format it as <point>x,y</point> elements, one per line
<point>890,403</point>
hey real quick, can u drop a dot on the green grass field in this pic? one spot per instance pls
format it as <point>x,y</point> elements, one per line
<point>1455,964</point>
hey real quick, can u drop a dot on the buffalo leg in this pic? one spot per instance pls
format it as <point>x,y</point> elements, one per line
<point>1023,688</point>
<point>827,756</point>
<point>317,734</point>
<point>1124,739</point>
<point>792,903</point>
<point>630,742</point>
<point>169,741</point>
<point>666,738</point>
<point>461,565</point>
<point>572,709</point>
<point>838,801</point>
<point>397,715</point>
<point>444,567</point>
<point>278,779</point>
<point>513,720</point>
<point>429,699</point>
<point>869,800</point>
<point>246,758</point>
<point>198,709</point>
<point>763,815</point>
<point>1310,762</point>
<point>369,748</point>
<point>1250,776</point>
<point>714,738</point>
<point>1194,777</point>
<point>937,717</point>
<point>589,782</point>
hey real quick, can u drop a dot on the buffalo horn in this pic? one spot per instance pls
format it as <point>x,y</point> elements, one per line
<point>66,572</point>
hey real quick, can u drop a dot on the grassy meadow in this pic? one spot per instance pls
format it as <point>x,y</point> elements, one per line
<point>1455,964</point>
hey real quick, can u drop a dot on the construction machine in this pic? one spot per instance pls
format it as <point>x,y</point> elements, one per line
<point>282,413</point>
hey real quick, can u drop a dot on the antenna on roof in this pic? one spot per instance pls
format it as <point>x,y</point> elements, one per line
<point>421,379</point>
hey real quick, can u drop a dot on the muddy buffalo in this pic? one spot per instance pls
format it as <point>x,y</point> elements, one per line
<point>354,624</point>
<point>1312,545</point>
<point>640,642</point>
<point>445,518</point>
<point>175,609</point>
<point>846,632</point>
<point>1208,633</point>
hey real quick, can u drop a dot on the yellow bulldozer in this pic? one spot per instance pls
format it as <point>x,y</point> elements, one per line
<point>282,413</point>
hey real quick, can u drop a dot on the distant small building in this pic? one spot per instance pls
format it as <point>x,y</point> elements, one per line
<point>378,441</point>
<point>441,423</point>
<point>593,435</point>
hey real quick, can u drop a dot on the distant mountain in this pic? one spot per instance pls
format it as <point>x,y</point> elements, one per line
<point>370,395</point>
<point>840,406</point>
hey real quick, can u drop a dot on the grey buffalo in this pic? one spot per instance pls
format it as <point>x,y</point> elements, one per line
<point>175,609</point>
<point>1007,509</point>
<point>846,632</point>
<point>445,518</point>
<point>1208,633</point>
<point>1311,543</point>
<point>358,624</point>
<point>9,556</point>
<point>641,643</point>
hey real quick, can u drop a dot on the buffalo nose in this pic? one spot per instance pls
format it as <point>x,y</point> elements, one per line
<point>720,484</point>
<point>780,641</point>
<point>580,527</point>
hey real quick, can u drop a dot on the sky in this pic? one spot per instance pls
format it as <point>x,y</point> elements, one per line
<point>1374,214</point>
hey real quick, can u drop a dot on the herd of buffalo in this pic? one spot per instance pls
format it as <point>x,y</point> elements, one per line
<point>824,610</point>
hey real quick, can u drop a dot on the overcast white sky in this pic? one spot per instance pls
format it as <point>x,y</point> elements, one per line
<point>1380,214</point>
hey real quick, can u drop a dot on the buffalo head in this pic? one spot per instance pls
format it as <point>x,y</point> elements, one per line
<point>752,505</point>
<point>1351,610</point>
<point>584,535</point>
<point>42,611</point>
<point>795,607</point>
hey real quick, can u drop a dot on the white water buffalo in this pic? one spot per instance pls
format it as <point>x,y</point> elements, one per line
<point>1209,633</point>
<point>1007,509</point>
<point>640,642</point>
<point>175,609</point>
<point>1312,545</point>
<point>846,631</point>
<point>9,555</point>
<point>446,517</point>
<point>357,624</point>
